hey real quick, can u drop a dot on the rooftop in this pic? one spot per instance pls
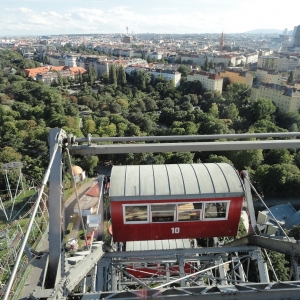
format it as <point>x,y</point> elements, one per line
<point>190,181</point>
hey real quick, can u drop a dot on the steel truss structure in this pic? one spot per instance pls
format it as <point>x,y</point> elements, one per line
<point>103,271</point>
<point>11,235</point>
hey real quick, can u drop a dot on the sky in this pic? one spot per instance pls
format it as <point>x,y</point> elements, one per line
<point>47,17</point>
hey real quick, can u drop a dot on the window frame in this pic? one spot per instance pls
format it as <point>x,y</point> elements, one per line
<point>161,204</point>
<point>135,222</point>
<point>216,219</point>
<point>176,212</point>
<point>200,210</point>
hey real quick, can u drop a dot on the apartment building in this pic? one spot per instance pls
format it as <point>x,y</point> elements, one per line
<point>278,63</point>
<point>288,63</point>
<point>199,59</point>
<point>284,97</point>
<point>70,60</point>
<point>237,75</point>
<point>167,74</point>
<point>269,62</point>
<point>251,58</point>
<point>297,73</point>
<point>268,76</point>
<point>209,81</point>
<point>56,60</point>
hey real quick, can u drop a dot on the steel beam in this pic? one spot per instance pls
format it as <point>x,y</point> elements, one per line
<point>56,209</point>
<point>175,252</point>
<point>243,291</point>
<point>89,138</point>
<point>183,147</point>
<point>274,244</point>
<point>249,200</point>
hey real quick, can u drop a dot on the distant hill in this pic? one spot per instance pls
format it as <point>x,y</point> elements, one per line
<point>264,31</point>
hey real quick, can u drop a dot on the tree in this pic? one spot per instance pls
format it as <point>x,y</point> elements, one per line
<point>186,106</point>
<point>213,158</point>
<point>295,232</point>
<point>80,79</point>
<point>184,70</point>
<point>121,76</point>
<point>150,104</point>
<point>290,78</point>
<point>214,111</point>
<point>229,63</point>
<point>132,130</point>
<point>112,75</point>
<point>262,109</point>
<point>90,163</point>
<point>181,158</point>
<point>206,66</point>
<point>9,154</point>
<point>211,64</point>
<point>108,130</point>
<point>142,80</point>
<point>278,156</point>
<point>91,75</point>
<point>265,126</point>
<point>279,264</point>
<point>230,112</point>
<point>89,126</point>
<point>105,78</point>
<point>284,183</point>
<point>246,158</point>
<point>46,60</point>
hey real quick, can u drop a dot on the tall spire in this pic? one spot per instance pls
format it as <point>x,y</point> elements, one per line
<point>222,41</point>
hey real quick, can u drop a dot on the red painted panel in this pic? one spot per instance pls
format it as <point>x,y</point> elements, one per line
<point>162,231</point>
<point>160,270</point>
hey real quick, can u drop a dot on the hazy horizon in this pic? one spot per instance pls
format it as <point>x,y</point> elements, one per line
<point>38,17</point>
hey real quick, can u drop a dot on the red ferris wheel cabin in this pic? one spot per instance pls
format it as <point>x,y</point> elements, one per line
<point>176,201</point>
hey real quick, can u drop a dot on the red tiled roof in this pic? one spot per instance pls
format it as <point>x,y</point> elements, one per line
<point>34,71</point>
<point>93,191</point>
<point>76,70</point>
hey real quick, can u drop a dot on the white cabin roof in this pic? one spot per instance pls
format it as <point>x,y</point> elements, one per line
<point>174,181</point>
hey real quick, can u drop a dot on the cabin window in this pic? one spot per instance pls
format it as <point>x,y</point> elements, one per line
<point>136,213</point>
<point>189,211</point>
<point>215,210</point>
<point>163,213</point>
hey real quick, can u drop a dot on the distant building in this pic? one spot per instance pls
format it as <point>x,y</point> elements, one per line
<point>237,75</point>
<point>171,75</point>
<point>222,41</point>
<point>279,63</point>
<point>155,55</point>
<point>56,60</point>
<point>49,73</point>
<point>70,60</point>
<point>297,36</point>
<point>268,76</point>
<point>209,81</point>
<point>167,74</point>
<point>268,62</point>
<point>285,98</point>
<point>127,39</point>
<point>297,73</point>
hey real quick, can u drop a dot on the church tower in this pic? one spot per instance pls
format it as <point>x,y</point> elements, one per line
<point>222,41</point>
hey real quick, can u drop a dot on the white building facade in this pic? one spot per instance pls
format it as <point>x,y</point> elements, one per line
<point>209,81</point>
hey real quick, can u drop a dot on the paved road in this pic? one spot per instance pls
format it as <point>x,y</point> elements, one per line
<point>71,202</point>
<point>35,276</point>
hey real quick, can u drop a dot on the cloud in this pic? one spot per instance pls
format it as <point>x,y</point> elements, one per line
<point>109,18</point>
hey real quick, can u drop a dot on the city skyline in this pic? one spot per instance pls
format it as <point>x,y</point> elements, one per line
<point>37,17</point>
